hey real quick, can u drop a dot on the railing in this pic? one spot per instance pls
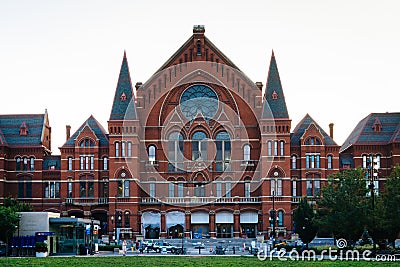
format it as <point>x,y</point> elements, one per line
<point>296,199</point>
<point>87,201</point>
<point>199,200</point>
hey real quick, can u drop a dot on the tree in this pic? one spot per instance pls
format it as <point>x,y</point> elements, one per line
<point>390,202</point>
<point>343,209</point>
<point>303,218</point>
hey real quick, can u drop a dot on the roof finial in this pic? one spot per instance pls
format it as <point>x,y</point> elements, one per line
<point>273,55</point>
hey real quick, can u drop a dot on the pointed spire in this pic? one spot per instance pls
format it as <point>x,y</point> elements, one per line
<point>124,103</point>
<point>274,99</point>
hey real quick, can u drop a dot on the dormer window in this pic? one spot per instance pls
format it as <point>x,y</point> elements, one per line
<point>23,129</point>
<point>274,95</point>
<point>123,97</point>
<point>377,127</point>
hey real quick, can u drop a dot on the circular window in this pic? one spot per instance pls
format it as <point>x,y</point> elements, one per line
<point>199,99</point>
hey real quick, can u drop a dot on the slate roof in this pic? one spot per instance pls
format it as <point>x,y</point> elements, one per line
<point>302,126</point>
<point>274,86</point>
<point>10,126</point>
<point>49,161</point>
<point>364,133</point>
<point>124,103</point>
<point>96,128</point>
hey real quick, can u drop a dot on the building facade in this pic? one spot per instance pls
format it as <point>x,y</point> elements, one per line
<point>199,150</point>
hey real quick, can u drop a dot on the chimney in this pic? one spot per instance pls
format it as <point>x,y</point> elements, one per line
<point>68,131</point>
<point>331,130</point>
<point>259,85</point>
<point>138,84</point>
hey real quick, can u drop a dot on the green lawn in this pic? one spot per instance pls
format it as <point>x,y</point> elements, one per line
<point>175,261</point>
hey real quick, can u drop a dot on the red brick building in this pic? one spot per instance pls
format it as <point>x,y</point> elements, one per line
<point>197,150</point>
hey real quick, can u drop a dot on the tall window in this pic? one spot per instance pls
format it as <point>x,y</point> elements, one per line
<point>294,188</point>
<point>378,161</point>
<point>275,148</point>
<point>117,149</point>
<point>171,189</point>
<point>86,162</point>
<point>152,189</point>
<point>180,189</point>
<point>199,190</point>
<point>32,163</point>
<point>364,161</point>
<point>51,189</point>
<point>269,148</point>
<point>69,189</point>
<point>246,152</point>
<point>127,219</point>
<point>199,146</point>
<point>276,187</point>
<point>282,148</point>
<point>123,188</point>
<point>86,186</point>
<point>228,188</point>
<point>123,147</point>
<point>247,189</point>
<point>317,188</point>
<point>309,188</point>
<point>152,154</point>
<point>129,149</point>
<point>330,162</point>
<point>312,160</point>
<point>105,163</point>
<point>218,188</point>
<point>18,164</point>
<point>25,187</point>
<point>280,218</point>
<point>25,163</point>
<point>223,156</point>
<point>70,163</point>
<point>294,162</point>
<point>175,152</point>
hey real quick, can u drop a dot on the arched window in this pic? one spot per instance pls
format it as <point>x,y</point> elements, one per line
<point>280,218</point>
<point>152,154</point>
<point>123,186</point>
<point>127,219</point>
<point>117,149</point>
<point>171,189</point>
<point>223,156</point>
<point>246,153</point>
<point>123,149</point>
<point>25,163</point>
<point>199,146</point>
<point>282,148</point>
<point>69,163</point>
<point>269,148</point>
<point>330,162</point>
<point>152,189</point>
<point>105,163</point>
<point>32,163</point>
<point>18,164</point>
<point>129,149</point>
<point>294,162</point>
<point>312,141</point>
<point>87,142</point>
<point>175,152</point>
<point>199,99</point>
<point>275,148</point>
<point>247,189</point>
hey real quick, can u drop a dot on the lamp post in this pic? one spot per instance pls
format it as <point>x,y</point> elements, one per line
<point>91,236</point>
<point>372,174</point>
<point>273,218</point>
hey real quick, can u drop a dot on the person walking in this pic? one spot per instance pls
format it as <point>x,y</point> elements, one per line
<point>124,247</point>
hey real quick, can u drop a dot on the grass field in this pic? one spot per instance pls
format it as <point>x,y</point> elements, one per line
<point>175,261</point>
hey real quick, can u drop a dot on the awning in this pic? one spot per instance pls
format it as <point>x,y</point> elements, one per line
<point>175,218</point>
<point>248,217</point>
<point>199,218</point>
<point>224,217</point>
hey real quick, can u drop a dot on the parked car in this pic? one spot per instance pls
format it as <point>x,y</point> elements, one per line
<point>158,247</point>
<point>3,248</point>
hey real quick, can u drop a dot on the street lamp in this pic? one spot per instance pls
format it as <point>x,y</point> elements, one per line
<point>273,218</point>
<point>372,174</point>
<point>91,236</point>
<point>18,241</point>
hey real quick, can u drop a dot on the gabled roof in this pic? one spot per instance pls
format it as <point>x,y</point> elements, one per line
<point>97,129</point>
<point>198,33</point>
<point>364,134</point>
<point>10,129</point>
<point>302,126</point>
<point>274,99</point>
<point>124,100</point>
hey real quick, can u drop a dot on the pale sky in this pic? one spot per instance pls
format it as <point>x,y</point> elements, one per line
<point>338,60</point>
